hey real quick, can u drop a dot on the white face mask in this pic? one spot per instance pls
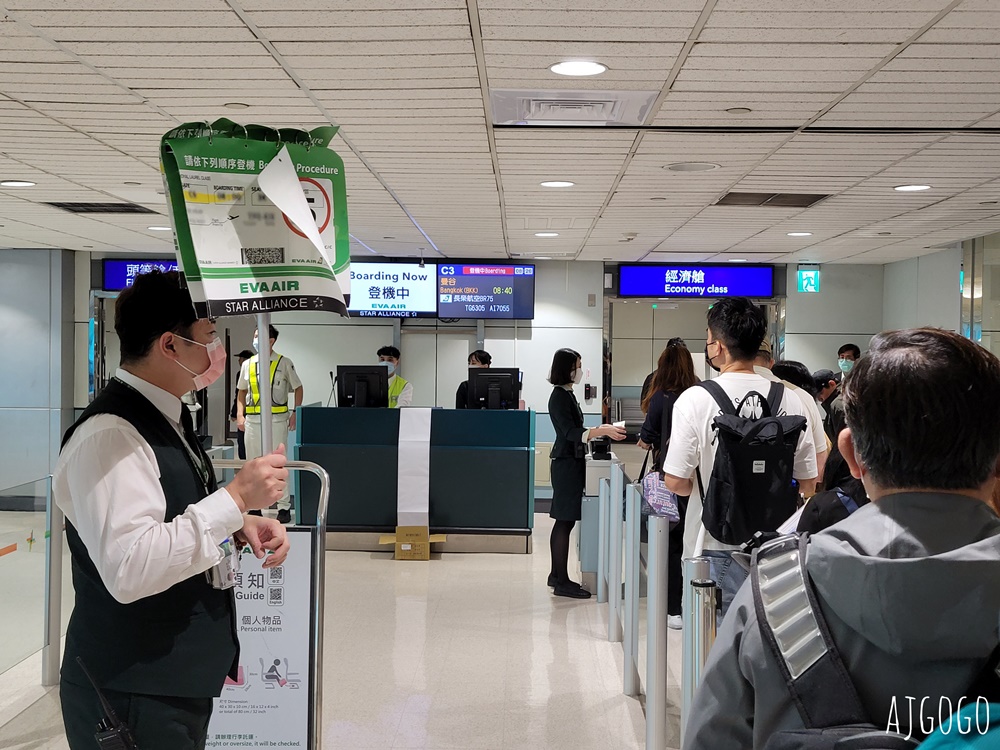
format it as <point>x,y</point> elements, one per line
<point>577,376</point>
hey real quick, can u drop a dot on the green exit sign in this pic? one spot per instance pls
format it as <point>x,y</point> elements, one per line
<point>809,281</point>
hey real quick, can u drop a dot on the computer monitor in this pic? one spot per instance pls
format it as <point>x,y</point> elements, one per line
<point>363,385</point>
<point>494,387</point>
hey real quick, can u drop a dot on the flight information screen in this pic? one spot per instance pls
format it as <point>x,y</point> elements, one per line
<point>486,291</point>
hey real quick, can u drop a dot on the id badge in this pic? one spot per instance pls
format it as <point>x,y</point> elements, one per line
<point>222,576</point>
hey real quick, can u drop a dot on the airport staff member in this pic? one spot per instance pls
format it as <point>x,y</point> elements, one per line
<point>400,391</point>
<point>241,449</point>
<point>478,360</point>
<point>283,379</point>
<point>145,521</point>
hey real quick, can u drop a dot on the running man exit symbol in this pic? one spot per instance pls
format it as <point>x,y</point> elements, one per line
<point>809,281</point>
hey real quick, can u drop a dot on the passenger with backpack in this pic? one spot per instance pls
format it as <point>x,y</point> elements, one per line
<point>739,447</point>
<point>875,630</point>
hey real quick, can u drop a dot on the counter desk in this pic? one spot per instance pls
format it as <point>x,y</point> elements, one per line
<point>482,474</point>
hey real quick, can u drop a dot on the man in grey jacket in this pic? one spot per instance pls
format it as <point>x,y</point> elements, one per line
<point>909,584</point>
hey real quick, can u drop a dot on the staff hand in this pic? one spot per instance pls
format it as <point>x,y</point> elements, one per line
<point>261,481</point>
<point>609,430</point>
<point>266,535</point>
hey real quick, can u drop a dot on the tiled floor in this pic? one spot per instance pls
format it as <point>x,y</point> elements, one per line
<point>464,651</point>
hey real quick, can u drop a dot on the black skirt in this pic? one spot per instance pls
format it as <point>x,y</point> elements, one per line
<point>569,479</point>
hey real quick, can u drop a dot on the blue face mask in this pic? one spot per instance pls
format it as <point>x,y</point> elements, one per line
<point>255,344</point>
<point>845,365</point>
<point>390,367</point>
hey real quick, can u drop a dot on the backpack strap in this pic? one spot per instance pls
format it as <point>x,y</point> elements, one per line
<point>720,396</point>
<point>795,632</point>
<point>847,501</point>
<point>774,397</point>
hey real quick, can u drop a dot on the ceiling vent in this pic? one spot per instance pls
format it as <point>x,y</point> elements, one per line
<point>102,208</point>
<point>775,200</point>
<point>570,108</point>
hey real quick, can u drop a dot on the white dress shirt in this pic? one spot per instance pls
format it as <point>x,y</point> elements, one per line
<point>107,482</point>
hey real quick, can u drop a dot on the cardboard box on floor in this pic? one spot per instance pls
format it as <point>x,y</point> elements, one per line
<point>412,542</point>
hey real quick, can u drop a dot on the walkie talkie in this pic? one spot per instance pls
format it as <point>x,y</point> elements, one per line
<point>112,733</point>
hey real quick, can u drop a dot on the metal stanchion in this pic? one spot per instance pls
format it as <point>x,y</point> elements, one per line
<point>615,553</point>
<point>602,540</point>
<point>633,523</point>
<point>264,382</point>
<point>656,633</point>
<point>51,652</point>
<point>699,628</point>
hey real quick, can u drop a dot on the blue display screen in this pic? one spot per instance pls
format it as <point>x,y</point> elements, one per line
<point>695,281</point>
<point>120,274</point>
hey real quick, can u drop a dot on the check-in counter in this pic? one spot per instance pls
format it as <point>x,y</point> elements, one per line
<point>482,466</point>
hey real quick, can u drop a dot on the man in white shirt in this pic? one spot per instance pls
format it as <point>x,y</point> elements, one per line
<point>400,390</point>
<point>736,328</point>
<point>146,522</point>
<point>814,417</point>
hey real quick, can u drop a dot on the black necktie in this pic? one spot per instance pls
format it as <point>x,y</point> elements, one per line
<point>187,427</point>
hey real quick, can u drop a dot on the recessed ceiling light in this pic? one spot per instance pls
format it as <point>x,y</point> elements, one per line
<point>546,234</point>
<point>800,234</point>
<point>692,166</point>
<point>911,188</point>
<point>17,183</point>
<point>737,260</point>
<point>132,182</point>
<point>557,183</point>
<point>578,68</point>
<point>160,229</point>
<point>236,105</point>
<point>739,110</point>
<point>542,257</point>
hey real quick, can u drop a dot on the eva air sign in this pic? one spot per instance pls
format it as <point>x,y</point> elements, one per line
<point>259,216</point>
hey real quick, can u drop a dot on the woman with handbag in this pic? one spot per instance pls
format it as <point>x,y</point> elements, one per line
<point>568,468</point>
<point>674,375</point>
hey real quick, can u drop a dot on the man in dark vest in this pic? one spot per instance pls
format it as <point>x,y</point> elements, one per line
<point>146,523</point>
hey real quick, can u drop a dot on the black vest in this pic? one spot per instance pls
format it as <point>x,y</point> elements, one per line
<point>181,642</point>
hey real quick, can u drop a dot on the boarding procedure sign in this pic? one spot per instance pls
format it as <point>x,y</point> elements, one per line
<point>259,217</point>
<point>268,704</point>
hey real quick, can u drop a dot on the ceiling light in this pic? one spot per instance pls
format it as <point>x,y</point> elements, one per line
<point>737,260</point>
<point>557,183</point>
<point>692,166</point>
<point>16,183</point>
<point>160,229</point>
<point>739,110</point>
<point>236,105</point>
<point>542,257</point>
<point>911,188</point>
<point>578,68</point>
<point>800,234</point>
<point>546,234</point>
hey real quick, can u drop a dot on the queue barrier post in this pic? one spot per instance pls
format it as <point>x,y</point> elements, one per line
<point>699,628</point>
<point>656,632</point>
<point>615,552</point>
<point>630,644</point>
<point>51,651</point>
<point>604,493</point>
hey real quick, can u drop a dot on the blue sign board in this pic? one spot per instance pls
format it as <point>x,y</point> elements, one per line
<point>690,281</point>
<point>120,274</point>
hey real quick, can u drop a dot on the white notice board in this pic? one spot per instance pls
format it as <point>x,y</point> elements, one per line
<point>269,704</point>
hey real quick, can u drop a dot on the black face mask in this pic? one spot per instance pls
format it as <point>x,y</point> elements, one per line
<point>710,362</point>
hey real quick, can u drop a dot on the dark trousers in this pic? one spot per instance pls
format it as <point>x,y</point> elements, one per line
<point>675,564</point>
<point>157,722</point>
<point>241,446</point>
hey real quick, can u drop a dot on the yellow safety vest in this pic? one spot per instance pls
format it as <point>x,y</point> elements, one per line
<point>254,406</point>
<point>395,390</point>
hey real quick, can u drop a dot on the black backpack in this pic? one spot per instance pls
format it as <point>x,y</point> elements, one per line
<point>751,488</point>
<point>797,636</point>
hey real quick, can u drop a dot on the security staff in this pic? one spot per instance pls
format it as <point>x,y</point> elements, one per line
<point>241,449</point>
<point>478,360</point>
<point>283,379</point>
<point>145,522</point>
<point>400,391</point>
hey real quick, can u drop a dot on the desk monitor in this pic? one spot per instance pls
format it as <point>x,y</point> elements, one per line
<point>494,388</point>
<point>363,385</point>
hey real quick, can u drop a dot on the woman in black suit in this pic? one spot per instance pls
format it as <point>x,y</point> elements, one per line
<point>568,470</point>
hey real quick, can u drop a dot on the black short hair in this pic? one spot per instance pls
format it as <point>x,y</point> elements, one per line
<point>852,348</point>
<point>563,363</point>
<point>155,304</point>
<point>923,406</point>
<point>272,332</point>
<point>388,351</point>
<point>739,324</point>
<point>482,357</point>
<point>795,373</point>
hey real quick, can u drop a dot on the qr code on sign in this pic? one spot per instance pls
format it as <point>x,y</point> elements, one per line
<point>276,596</point>
<point>263,256</point>
<point>276,576</point>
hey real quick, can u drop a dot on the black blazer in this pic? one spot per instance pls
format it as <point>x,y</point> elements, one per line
<point>462,396</point>
<point>567,420</point>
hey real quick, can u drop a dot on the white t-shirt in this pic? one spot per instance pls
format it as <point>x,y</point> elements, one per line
<point>692,444</point>
<point>814,417</point>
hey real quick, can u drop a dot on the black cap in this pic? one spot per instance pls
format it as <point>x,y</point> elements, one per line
<point>822,378</point>
<point>245,354</point>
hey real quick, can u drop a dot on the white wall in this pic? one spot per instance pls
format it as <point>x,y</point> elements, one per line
<point>640,331</point>
<point>924,291</point>
<point>847,309</point>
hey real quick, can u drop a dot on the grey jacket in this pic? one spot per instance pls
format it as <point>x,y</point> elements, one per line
<point>910,586</point>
